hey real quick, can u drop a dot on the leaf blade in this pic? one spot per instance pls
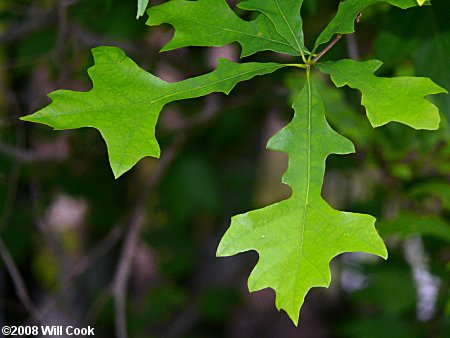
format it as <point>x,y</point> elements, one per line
<point>284,15</point>
<point>344,20</point>
<point>195,26</point>
<point>288,235</point>
<point>125,102</point>
<point>387,100</point>
<point>142,6</point>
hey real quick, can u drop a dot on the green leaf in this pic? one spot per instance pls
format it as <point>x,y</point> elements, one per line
<point>296,238</point>
<point>212,23</point>
<point>285,16</point>
<point>344,21</point>
<point>399,99</point>
<point>142,5</point>
<point>125,102</point>
<point>341,115</point>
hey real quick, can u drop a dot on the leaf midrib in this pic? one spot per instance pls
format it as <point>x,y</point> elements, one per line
<point>164,97</point>
<point>308,165</point>
<point>354,77</point>
<point>290,28</point>
<point>234,31</point>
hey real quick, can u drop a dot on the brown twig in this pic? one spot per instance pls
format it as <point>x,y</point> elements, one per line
<point>82,266</point>
<point>122,275</point>
<point>123,271</point>
<point>36,22</point>
<point>18,282</point>
<point>333,42</point>
<point>27,156</point>
<point>98,251</point>
<point>327,48</point>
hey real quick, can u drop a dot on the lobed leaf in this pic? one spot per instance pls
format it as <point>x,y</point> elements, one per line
<point>212,23</point>
<point>344,21</point>
<point>296,238</point>
<point>399,99</point>
<point>284,15</point>
<point>125,102</point>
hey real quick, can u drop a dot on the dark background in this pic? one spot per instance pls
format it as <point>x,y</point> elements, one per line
<point>82,243</point>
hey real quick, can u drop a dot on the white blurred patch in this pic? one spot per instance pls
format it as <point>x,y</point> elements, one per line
<point>351,278</point>
<point>427,285</point>
<point>66,213</point>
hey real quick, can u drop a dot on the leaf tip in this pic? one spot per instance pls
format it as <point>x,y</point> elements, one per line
<point>294,316</point>
<point>108,54</point>
<point>30,118</point>
<point>294,319</point>
<point>117,173</point>
<point>222,249</point>
<point>219,252</point>
<point>382,252</point>
<point>25,118</point>
<point>166,48</point>
<point>119,169</point>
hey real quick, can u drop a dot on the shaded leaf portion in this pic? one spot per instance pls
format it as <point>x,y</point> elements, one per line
<point>410,224</point>
<point>432,189</point>
<point>344,21</point>
<point>142,5</point>
<point>296,238</point>
<point>285,16</point>
<point>432,61</point>
<point>212,23</point>
<point>399,99</point>
<point>125,102</point>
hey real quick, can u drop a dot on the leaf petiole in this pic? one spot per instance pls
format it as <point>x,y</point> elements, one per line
<point>298,65</point>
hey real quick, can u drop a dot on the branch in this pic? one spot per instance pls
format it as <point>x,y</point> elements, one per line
<point>333,42</point>
<point>327,48</point>
<point>82,266</point>
<point>123,272</point>
<point>36,21</point>
<point>18,282</point>
<point>122,275</point>
<point>26,156</point>
<point>98,251</point>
